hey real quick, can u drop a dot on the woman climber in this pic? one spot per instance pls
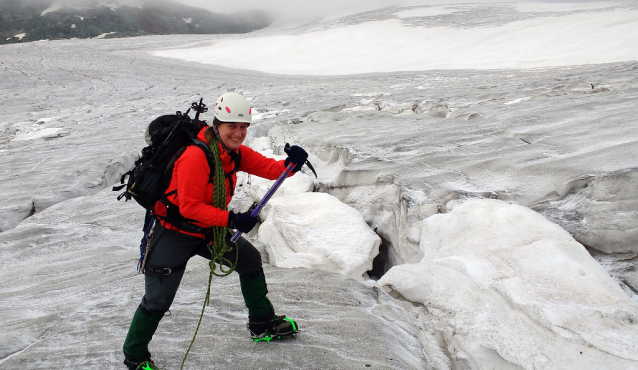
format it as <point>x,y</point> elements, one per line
<point>193,207</point>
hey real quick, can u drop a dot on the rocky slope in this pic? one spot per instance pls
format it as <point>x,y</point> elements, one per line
<point>22,21</point>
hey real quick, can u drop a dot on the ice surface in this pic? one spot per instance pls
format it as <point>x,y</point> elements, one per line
<point>316,230</point>
<point>69,288</point>
<point>559,6</point>
<point>503,284</point>
<point>425,12</point>
<point>398,147</point>
<point>458,138</point>
<point>611,195</point>
<point>305,229</point>
<point>49,133</point>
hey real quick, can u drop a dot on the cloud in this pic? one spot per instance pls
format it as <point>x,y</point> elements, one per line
<point>329,8</point>
<point>291,8</point>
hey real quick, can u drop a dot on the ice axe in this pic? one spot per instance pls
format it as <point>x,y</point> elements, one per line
<point>287,172</point>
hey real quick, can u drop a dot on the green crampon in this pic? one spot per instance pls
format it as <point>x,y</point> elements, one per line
<point>270,337</point>
<point>147,366</point>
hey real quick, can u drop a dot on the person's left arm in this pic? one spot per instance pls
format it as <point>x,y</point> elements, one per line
<point>257,164</point>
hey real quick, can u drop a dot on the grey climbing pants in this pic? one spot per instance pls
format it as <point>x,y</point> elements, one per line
<point>172,249</point>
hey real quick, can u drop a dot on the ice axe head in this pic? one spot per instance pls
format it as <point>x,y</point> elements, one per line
<point>298,157</point>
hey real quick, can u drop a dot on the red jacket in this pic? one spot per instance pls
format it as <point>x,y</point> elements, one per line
<point>194,195</point>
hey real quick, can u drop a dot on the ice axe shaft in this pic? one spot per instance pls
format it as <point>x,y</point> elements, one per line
<point>287,172</point>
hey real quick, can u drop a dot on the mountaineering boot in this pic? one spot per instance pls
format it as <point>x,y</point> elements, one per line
<point>139,335</point>
<point>270,326</point>
<point>262,322</point>
<point>146,364</point>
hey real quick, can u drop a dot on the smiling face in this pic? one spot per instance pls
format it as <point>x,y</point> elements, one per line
<point>232,134</point>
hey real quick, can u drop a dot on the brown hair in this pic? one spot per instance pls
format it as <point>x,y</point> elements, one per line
<point>209,134</point>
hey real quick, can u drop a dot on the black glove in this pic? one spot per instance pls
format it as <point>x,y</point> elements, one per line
<point>296,155</point>
<point>243,222</point>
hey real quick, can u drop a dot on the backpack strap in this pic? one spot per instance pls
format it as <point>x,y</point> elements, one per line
<point>209,158</point>
<point>236,158</point>
<point>175,218</point>
<point>173,215</point>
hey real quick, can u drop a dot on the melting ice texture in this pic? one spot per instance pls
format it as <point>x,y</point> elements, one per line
<point>491,283</point>
<point>504,285</point>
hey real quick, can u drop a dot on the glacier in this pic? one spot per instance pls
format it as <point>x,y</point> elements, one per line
<point>490,190</point>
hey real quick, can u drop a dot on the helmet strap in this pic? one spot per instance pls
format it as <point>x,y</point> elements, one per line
<point>215,123</point>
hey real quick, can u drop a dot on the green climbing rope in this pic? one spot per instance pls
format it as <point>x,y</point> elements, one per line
<point>217,246</point>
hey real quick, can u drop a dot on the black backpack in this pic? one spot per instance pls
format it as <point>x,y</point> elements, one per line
<point>168,136</point>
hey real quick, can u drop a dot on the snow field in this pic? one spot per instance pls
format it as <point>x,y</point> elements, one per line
<point>601,36</point>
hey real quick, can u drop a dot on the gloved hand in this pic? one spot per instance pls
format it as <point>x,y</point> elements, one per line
<point>243,222</point>
<point>296,155</point>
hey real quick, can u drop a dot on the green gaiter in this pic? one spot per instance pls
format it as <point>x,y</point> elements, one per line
<point>254,291</point>
<point>140,333</point>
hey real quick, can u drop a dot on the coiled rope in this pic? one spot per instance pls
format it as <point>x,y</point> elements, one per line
<point>217,246</point>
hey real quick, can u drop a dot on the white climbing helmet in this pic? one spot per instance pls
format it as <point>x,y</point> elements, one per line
<point>233,107</point>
